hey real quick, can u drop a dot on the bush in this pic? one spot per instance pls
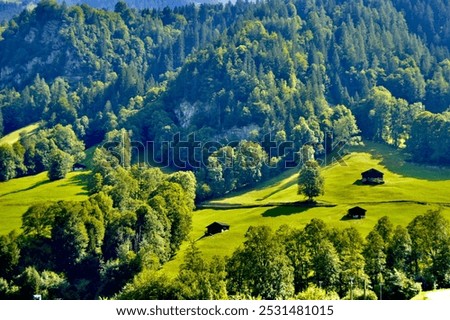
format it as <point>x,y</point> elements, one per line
<point>315,293</point>
<point>358,294</point>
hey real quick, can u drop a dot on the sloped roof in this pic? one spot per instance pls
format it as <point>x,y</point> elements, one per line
<point>373,172</point>
<point>218,223</point>
<point>357,209</point>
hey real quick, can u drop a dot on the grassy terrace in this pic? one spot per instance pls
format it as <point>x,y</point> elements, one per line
<point>409,190</point>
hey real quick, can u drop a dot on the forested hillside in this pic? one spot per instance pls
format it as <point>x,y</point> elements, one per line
<point>275,71</point>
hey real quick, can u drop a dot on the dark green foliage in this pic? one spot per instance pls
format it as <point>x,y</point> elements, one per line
<point>326,266</point>
<point>398,286</point>
<point>199,280</point>
<point>375,256</point>
<point>60,164</point>
<point>429,140</point>
<point>430,247</point>
<point>1,123</point>
<point>69,237</point>
<point>274,67</point>
<point>148,285</point>
<point>7,163</point>
<point>54,149</point>
<point>349,245</point>
<point>176,207</point>
<point>9,255</point>
<point>38,220</point>
<point>260,268</point>
<point>399,250</point>
<point>231,168</point>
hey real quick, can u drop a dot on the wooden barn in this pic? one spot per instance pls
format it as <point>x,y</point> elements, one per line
<point>356,213</point>
<point>216,227</point>
<point>372,176</point>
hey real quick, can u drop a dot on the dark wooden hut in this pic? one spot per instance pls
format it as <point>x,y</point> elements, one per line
<point>372,176</point>
<point>217,227</point>
<point>356,213</point>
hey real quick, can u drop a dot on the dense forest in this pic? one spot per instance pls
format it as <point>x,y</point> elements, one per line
<point>225,95</point>
<point>98,250</point>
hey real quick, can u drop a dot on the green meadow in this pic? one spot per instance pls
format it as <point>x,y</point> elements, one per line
<point>17,195</point>
<point>409,190</point>
<point>15,135</point>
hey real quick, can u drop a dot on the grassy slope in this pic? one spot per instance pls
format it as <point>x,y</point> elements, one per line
<point>17,195</point>
<point>410,190</point>
<point>14,136</point>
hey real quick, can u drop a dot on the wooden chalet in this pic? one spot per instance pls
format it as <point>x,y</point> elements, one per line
<point>372,176</point>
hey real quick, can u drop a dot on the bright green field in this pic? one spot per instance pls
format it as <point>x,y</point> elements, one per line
<point>17,195</point>
<point>14,136</point>
<point>409,190</point>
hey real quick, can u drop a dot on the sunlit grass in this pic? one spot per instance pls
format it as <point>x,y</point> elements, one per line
<point>15,135</point>
<point>17,195</point>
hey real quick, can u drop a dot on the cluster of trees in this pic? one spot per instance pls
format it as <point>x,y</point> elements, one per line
<point>137,218</point>
<point>393,121</point>
<point>231,168</point>
<point>55,149</point>
<point>430,139</point>
<point>313,263</point>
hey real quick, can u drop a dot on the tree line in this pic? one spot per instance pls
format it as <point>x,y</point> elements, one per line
<point>316,262</point>
<point>55,150</point>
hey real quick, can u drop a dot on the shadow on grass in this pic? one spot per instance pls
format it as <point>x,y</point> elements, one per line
<point>202,237</point>
<point>360,183</point>
<point>281,188</point>
<point>399,161</point>
<point>36,185</point>
<point>80,180</point>
<point>284,211</point>
<point>272,182</point>
<point>348,218</point>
